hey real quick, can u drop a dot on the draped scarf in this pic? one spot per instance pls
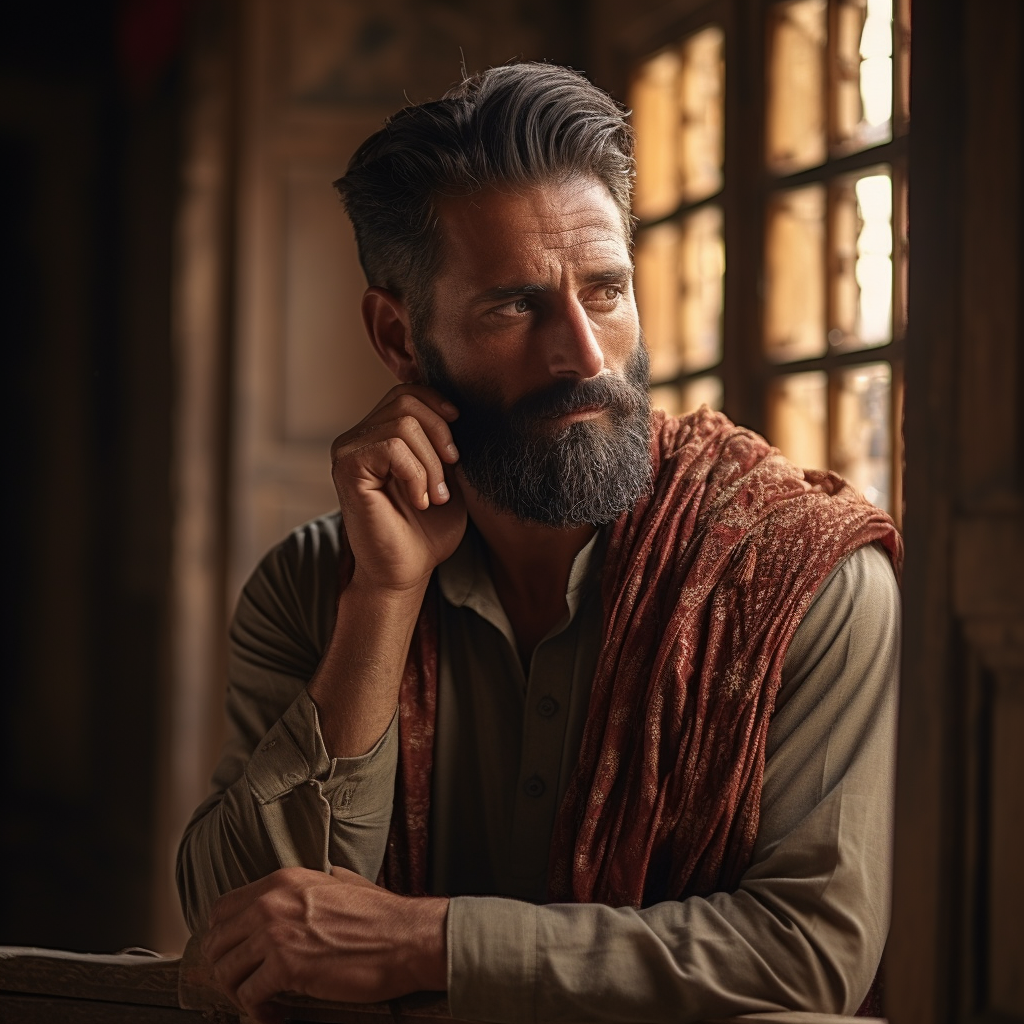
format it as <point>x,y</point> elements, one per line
<point>704,583</point>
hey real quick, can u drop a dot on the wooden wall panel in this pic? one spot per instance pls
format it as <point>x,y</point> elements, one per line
<point>329,366</point>
<point>319,77</point>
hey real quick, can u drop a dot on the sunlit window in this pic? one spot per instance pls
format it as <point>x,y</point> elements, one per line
<point>678,101</point>
<point>818,309</point>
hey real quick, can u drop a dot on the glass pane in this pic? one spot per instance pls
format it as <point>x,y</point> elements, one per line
<point>657,296</point>
<point>861,434</point>
<point>702,102</point>
<point>796,85</point>
<point>653,98</point>
<point>862,276</point>
<point>701,276</point>
<point>677,97</point>
<point>795,275</point>
<point>667,397</point>
<point>797,405</point>
<point>863,74</point>
<point>702,391</point>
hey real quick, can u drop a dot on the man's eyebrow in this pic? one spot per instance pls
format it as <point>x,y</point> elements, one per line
<point>507,291</point>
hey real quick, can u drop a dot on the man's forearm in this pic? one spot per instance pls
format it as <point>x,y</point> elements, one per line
<point>356,685</point>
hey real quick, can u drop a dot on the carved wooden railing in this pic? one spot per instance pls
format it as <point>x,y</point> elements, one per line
<point>46,986</point>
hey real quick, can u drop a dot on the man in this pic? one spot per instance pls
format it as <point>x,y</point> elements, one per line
<point>604,699</point>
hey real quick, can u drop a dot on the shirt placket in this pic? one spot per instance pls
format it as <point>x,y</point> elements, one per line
<point>545,714</point>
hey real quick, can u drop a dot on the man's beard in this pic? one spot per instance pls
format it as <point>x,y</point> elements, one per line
<point>588,472</point>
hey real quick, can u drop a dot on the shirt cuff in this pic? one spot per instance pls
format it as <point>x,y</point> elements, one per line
<point>293,753</point>
<point>492,958</point>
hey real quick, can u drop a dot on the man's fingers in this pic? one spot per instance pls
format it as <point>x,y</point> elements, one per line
<point>405,455</point>
<point>232,967</point>
<point>231,902</point>
<point>395,416</point>
<point>427,395</point>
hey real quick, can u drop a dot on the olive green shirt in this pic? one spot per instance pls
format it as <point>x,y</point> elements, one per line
<point>804,930</point>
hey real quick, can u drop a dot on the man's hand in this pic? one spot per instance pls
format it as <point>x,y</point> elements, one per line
<point>401,521</point>
<point>400,517</point>
<point>336,937</point>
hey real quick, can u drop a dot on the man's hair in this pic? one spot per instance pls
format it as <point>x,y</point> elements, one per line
<point>519,125</point>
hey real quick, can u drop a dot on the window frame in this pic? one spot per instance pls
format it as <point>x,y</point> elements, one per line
<point>748,185</point>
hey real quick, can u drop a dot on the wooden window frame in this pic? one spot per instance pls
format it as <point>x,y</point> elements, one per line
<point>746,371</point>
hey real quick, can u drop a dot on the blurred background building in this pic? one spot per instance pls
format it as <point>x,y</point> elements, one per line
<point>182,342</point>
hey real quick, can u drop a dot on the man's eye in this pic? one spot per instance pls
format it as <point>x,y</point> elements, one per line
<point>517,307</point>
<point>609,293</point>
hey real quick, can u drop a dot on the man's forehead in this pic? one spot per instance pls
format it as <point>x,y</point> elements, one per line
<point>573,220</point>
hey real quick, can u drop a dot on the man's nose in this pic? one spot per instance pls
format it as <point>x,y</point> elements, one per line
<point>573,348</point>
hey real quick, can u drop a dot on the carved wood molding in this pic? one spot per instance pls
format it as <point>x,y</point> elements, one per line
<point>149,980</point>
<point>43,985</point>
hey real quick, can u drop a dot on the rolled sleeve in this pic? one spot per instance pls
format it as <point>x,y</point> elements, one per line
<point>277,799</point>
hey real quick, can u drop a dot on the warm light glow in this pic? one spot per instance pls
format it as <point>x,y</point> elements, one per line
<point>861,436</point>
<point>874,259</point>
<point>702,391</point>
<point>797,406</point>
<point>701,279</point>
<point>796,84</point>
<point>657,296</point>
<point>677,99</point>
<point>794,309</point>
<point>876,66</point>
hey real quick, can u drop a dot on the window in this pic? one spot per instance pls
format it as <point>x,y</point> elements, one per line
<point>772,239</point>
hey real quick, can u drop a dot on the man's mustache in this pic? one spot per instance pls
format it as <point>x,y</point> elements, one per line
<point>608,391</point>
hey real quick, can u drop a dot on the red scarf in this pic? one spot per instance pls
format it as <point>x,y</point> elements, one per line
<point>704,584</point>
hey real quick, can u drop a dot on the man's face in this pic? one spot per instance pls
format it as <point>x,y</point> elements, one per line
<point>534,336</point>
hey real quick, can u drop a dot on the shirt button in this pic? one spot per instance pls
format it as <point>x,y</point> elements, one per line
<point>534,786</point>
<point>547,706</point>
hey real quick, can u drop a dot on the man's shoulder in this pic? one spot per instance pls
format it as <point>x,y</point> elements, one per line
<point>299,575</point>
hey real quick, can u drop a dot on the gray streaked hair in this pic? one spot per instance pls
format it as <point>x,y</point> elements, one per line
<point>519,125</point>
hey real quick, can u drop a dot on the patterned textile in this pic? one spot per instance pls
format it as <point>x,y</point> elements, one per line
<point>704,584</point>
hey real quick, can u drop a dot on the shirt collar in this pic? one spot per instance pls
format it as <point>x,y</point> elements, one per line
<point>465,580</point>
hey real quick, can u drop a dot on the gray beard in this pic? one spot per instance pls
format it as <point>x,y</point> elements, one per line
<point>587,473</point>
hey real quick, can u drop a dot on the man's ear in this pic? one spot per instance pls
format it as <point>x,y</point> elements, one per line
<point>387,323</point>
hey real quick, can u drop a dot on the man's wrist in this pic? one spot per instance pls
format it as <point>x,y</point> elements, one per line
<point>428,944</point>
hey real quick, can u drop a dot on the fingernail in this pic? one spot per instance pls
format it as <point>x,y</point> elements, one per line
<point>442,491</point>
<point>425,500</point>
<point>452,451</point>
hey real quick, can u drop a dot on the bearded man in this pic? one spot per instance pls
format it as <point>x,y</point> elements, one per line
<point>576,711</point>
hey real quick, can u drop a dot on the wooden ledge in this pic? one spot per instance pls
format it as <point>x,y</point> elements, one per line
<point>41,986</point>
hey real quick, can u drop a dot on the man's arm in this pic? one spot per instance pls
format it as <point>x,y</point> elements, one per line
<point>806,927</point>
<point>804,930</point>
<point>296,751</point>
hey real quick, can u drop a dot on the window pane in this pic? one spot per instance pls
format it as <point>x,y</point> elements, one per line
<point>796,85</point>
<point>795,275</point>
<point>702,391</point>
<point>688,396</point>
<point>657,296</point>
<point>797,406</point>
<point>861,435</point>
<point>653,97</point>
<point>677,97</point>
<point>702,102</point>
<point>862,276</point>
<point>701,276</point>
<point>667,397</point>
<point>863,75</point>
